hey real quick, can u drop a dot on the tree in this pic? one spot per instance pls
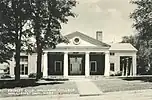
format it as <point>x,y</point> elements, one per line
<point>6,52</point>
<point>142,17</point>
<point>47,16</point>
<point>14,16</point>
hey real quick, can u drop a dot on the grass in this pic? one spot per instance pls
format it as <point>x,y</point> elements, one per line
<point>28,87</point>
<point>115,84</point>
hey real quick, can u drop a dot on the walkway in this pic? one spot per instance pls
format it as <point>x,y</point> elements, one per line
<point>87,88</point>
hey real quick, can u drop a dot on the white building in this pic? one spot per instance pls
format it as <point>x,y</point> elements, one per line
<point>83,56</point>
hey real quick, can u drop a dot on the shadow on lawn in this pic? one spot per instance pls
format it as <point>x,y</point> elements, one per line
<point>24,83</point>
<point>141,78</point>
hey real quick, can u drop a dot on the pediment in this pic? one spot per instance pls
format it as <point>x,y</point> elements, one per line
<point>80,39</point>
<point>77,41</point>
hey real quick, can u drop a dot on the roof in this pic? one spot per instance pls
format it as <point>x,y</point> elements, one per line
<point>87,38</point>
<point>122,47</point>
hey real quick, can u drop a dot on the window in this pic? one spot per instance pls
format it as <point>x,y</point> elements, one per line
<point>112,54</point>
<point>112,67</point>
<point>58,66</point>
<point>23,69</point>
<point>24,58</point>
<point>93,66</point>
<point>76,40</point>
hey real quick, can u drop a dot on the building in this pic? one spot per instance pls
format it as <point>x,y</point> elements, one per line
<point>83,56</point>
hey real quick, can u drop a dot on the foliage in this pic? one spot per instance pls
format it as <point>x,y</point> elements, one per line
<point>14,16</point>
<point>46,18</point>
<point>118,73</point>
<point>32,75</point>
<point>142,17</point>
<point>6,52</point>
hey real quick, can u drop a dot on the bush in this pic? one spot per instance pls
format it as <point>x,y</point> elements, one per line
<point>112,73</point>
<point>119,73</point>
<point>32,75</point>
<point>5,76</point>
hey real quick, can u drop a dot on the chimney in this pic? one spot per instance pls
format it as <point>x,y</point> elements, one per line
<point>99,35</point>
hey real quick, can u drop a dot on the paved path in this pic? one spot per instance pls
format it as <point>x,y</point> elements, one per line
<point>87,88</point>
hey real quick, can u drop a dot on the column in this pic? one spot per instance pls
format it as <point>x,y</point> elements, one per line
<point>45,66</point>
<point>123,69</point>
<point>87,64</point>
<point>134,65</point>
<point>65,71</point>
<point>131,70</point>
<point>107,64</point>
<point>127,66</point>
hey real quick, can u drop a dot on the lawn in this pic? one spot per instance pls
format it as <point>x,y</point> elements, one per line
<point>26,87</point>
<point>116,84</point>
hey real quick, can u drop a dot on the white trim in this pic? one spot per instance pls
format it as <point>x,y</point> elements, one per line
<point>107,64</point>
<point>45,64</point>
<point>60,66</point>
<point>76,51</point>
<point>95,66</point>
<point>87,60</point>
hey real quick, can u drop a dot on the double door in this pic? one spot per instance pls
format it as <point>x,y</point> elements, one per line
<point>75,65</point>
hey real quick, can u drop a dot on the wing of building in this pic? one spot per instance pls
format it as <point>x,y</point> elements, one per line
<point>83,56</point>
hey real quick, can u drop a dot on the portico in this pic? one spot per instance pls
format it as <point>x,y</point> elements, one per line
<point>83,64</point>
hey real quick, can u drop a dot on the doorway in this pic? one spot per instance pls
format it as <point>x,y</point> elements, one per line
<point>76,65</point>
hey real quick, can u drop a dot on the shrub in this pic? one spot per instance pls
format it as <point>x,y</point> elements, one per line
<point>118,73</point>
<point>112,73</point>
<point>32,75</point>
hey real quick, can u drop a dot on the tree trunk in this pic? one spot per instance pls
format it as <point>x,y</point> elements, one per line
<point>17,59</point>
<point>39,61</point>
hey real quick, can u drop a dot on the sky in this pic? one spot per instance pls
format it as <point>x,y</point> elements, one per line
<point>109,16</point>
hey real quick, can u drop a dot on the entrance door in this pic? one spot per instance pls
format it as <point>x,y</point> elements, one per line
<point>75,65</point>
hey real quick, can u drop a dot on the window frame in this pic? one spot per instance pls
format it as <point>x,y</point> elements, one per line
<point>60,66</point>
<point>24,58</point>
<point>95,66</point>
<point>23,66</point>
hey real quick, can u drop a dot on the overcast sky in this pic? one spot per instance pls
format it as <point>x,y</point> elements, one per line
<point>109,16</point>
